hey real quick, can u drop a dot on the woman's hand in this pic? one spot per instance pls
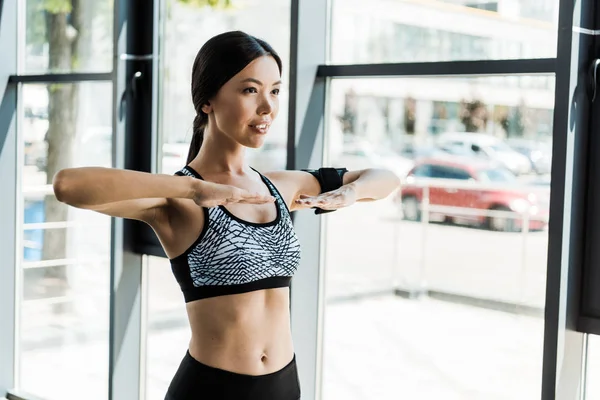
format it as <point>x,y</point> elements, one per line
<point>342,197</point>
<point>210,194</point>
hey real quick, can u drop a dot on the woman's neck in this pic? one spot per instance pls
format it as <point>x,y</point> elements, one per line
<point>221,158</point>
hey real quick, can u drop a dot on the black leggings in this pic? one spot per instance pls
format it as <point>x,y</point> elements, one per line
<point>196,381</point>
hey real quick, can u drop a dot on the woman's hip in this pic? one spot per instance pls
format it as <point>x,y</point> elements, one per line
<point>197,381</point>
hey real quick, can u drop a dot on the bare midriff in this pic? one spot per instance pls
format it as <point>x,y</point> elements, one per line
<point>247,333</point>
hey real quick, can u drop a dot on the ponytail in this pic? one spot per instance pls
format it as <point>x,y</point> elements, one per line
<point>198,136</point>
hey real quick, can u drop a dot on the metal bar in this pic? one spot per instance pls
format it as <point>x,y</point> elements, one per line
<point>471,185</point>
<point>61,78</point>
<point>584,367</point>
<point>61,225</point>
<point>309,18</point>
<point>38,189</point>
<point>293,87</point>
<point>19,395</point>
<point>135,33</point>
<point>590,305</point>
<point>63,261</point>
<point>49,300</point>
<point>10,211</point>
<point>477,212</point>
<point>425,214</point>
<point>561,375</point>
<point>585,31</point>
<point>7,110</point>
<point>542,66</point>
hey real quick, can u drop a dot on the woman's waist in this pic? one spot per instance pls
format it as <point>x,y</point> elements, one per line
<point>249,349</point>
<point>248,334</point>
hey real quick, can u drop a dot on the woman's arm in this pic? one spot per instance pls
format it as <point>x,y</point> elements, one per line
<point>372,184</point>
<point>302,190</point>
<point>137,195</point>
<point>88,187</point>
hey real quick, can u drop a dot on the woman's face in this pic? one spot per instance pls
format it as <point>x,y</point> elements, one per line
<point>245,107</point>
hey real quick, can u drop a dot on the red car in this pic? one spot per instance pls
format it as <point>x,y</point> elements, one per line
<point>464,190</point>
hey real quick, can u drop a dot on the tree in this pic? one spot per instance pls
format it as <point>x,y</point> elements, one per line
<point>474,115</point>
<point>410,115</point>
<point>64,24</point>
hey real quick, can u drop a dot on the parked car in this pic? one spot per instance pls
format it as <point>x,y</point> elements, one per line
<point>465,186</point>
<point>361,154</point>
<point>538,153</point>
<point>486,147</point>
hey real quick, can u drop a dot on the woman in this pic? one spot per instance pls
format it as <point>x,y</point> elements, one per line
<point>226,227</point>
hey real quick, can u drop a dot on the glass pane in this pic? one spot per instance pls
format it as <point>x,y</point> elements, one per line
<point>177,111</point>
<point>452,30</point>
<point>593,384</point>
<point>442,284</point>
<point>168,331</point>
<point>68,36</point>
<point>66,251</point>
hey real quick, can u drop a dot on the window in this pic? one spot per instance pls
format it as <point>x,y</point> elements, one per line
<point>455,173</point>
<point>496,175</point>
<point>68,36</point>
<point>412,31</point>
<point>66,250</point>
<point>376,277</point>
<point>424,171</point>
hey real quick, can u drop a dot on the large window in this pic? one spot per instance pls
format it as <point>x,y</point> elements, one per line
<point>66,251</point>
<point>438,291</point>
<point>410,31</point>
<point>443,283</point>
<point>67,36</point>
<point>187,27</point>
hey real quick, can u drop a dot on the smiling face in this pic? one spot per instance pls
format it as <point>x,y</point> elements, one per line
<point>245,107</point>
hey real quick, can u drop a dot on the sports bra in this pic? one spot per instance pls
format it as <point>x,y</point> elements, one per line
<point>233,256</point>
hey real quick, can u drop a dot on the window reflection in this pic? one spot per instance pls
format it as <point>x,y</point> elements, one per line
<point>63,337</point>
<point>68,36</point>
<point>443,282</point>
<point>448,30</point>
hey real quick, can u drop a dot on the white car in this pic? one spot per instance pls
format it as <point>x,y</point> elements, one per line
<point>485,146</point>
<point>361,155</point>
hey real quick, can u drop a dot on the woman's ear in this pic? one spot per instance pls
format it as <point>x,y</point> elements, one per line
<point>206,108</point>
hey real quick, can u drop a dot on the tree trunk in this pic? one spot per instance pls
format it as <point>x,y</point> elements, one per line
<point>62,117</point>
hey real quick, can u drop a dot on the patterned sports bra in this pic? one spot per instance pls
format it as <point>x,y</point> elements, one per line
<point>235,256</point>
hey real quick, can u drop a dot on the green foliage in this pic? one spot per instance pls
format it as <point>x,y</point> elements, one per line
<point>58,6</point>
<point>223,4</point>
<point>36,23</point>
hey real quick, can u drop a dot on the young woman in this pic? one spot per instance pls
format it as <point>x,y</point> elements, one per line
<point>226,227</point>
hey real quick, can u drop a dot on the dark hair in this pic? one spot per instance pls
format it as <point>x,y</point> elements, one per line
<point>219,59</point>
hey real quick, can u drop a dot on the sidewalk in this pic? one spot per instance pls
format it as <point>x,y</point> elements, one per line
<point>377,348</point>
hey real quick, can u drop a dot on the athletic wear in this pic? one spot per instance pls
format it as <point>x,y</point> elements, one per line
<point>196,381</point>
<point>236,256</point>
<point>329,179</point>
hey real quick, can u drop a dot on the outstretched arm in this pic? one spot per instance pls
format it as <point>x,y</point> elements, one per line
<point>139,195</point>
<point>364,185</point>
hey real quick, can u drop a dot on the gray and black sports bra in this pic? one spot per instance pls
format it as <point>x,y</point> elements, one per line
<point>235,256</point>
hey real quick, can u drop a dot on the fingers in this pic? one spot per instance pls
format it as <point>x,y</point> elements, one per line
<point>324,201</point>
<point>247,197</point>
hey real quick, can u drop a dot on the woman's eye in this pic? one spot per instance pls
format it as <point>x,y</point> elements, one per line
<point>250,90</point>
<point>275,91</point>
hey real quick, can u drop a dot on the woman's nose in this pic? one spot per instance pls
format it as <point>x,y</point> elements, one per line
<point>265,106</point>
